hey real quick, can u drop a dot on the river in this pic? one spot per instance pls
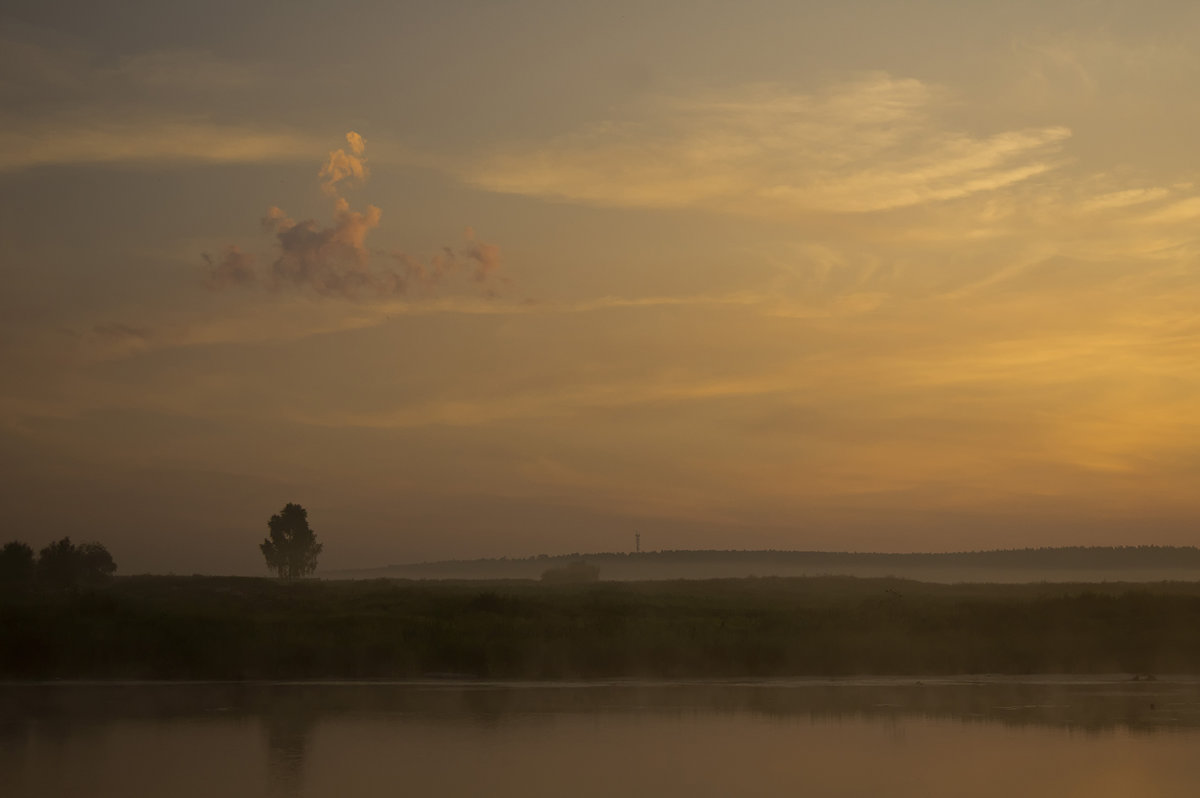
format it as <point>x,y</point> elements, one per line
<point>985,737</point>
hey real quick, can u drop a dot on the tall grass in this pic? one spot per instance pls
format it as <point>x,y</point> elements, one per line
<point>231,628</point>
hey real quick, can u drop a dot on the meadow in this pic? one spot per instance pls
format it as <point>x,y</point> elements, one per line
<point>167,627</point>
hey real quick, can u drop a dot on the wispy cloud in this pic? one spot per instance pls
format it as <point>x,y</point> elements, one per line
<point>870,145</point>
<point>295,317</point>
<point>559,403</point>
<point>76,141</point>
<point>64,104</point>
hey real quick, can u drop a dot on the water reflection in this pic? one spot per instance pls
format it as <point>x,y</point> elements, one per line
<point>766,738</point>
<point>288,725</point>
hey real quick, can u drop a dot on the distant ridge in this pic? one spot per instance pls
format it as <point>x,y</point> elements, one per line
<point>1050,564</point>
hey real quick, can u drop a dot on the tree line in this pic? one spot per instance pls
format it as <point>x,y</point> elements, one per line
<point>290,550</point>
<point>60,564</point>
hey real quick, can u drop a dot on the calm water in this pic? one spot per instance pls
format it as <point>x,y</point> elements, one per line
<point>995,738</point>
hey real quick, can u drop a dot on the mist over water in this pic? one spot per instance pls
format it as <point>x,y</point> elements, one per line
<point>856,738</point>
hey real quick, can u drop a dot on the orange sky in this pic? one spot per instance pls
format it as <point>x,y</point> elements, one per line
<point>474,279</point>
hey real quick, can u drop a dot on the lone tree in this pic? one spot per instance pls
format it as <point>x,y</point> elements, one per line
<point>291,549</point>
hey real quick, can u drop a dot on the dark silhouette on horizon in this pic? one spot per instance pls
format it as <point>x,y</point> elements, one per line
<point>17,565</point>
<point>573,572</point>
<point>61,564</point>
<point>1057,564</point>
<point>291,549</point>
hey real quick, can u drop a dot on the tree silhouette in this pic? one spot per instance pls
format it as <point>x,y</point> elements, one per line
<point>63,564</point>
<point>291,549</point>
<point>16,562</point>
<point>95,563</point>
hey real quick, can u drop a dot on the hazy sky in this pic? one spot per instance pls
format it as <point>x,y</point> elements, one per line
<point>488,279</point>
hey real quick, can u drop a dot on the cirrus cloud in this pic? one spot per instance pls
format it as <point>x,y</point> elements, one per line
<point>869,145</point>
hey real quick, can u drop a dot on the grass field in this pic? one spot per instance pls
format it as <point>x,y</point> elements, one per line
<point>245,628</point>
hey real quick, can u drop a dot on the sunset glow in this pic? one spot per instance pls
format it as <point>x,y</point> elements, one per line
<point>473,280</point>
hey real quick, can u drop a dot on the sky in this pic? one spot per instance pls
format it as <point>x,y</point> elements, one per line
<point>473,279</point>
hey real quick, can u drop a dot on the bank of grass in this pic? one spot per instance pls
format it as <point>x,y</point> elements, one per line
<point>241,628</point>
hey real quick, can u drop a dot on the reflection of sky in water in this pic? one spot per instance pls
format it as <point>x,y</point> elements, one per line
<point>901,739</point>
